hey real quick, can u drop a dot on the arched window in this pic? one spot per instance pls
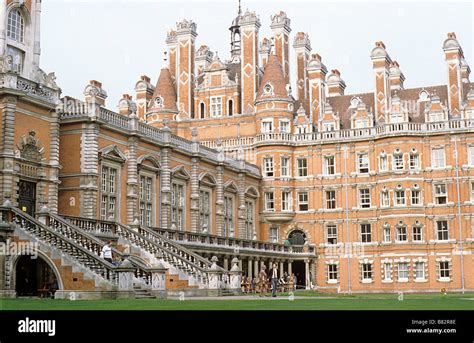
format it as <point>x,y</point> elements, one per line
<point>202,110</point>
<point>16,25</point>
<point>297,238</point>
<point>231,108</point>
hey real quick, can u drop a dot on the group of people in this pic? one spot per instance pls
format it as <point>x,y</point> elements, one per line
<point>265,281</point>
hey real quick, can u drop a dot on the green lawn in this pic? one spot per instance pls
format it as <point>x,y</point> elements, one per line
<point>312,301</point>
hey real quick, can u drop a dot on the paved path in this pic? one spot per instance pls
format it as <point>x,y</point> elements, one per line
<point>251,297</point>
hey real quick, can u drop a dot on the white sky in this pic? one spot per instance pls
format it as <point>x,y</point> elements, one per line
<point>117,41</point>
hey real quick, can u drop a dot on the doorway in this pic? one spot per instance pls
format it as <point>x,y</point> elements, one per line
<point>27,197</point>
<point>299,269</point>
<point>34,278</point>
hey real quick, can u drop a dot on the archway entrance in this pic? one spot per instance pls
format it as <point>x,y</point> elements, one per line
<point>34,278</point>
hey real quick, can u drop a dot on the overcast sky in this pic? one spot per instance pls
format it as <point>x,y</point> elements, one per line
<point>117,41</point>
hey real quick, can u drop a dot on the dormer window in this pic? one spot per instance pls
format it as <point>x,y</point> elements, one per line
<point>329,126</point>
<point>268,89</point>
<point>16,26</point>
<point>361,123</point>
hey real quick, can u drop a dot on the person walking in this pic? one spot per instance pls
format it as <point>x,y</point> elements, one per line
<point>107,252</point>
<point>262,278</point>
<point>274,274</point>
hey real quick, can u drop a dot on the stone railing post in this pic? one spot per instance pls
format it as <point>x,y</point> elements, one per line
<point>125,274</point>
<point>43,215</point>
<point>236,276</point>
<point>158,280</point>
<point>215,276</point>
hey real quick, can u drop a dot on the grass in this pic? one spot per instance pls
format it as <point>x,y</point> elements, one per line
<point>311,301</point>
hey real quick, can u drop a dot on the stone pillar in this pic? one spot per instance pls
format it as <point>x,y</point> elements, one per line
<point>132,179</point>
<point>282,268</point>
<point>235,276</point>
<point>158,280</point>
<point>249,268</point>
<point>242,210</point>
<point>215,276</point>
<point>226,263</point>
<point>7,145</point>
<point>166,178</point>
<point>220,201</point>
<point>195,195</point>
<point>256,268</point>
<point>37,34</point>
<point>125,273</point>
<point>290,269</point>
<point>90,169</point>
<point>307,278</point>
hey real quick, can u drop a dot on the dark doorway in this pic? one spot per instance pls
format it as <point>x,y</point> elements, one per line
<point>27,197</point>
<point>298,268</point>
<point>34,277</point>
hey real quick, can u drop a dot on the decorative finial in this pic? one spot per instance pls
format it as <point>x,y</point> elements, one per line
<point>240,7</point>
<point>165,57</point>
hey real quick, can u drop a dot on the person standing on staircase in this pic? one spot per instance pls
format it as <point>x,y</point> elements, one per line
<point>107,252</point>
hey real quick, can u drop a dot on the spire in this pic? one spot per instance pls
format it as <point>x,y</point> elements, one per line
<point>164,97</point>
<point>240,8</point>
<point>273,85</point>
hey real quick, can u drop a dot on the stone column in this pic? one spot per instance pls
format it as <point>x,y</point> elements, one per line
<point>226,263</point>
<point>282,268</point>
<point>242,210</point>
<point>215,276</point>
<point>132,179</point>
<point>290,270</point>
<point>195,195</point>
<point>7,145</point>
<point>220,201</point>
<point>256,268</point>
<point>54,163</point>
<point>307,278</point>
<point>249,267</point>
<point>3,26</point>
<point>37,34</point>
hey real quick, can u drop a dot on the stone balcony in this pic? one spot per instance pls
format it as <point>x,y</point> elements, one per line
<point>278,217</point>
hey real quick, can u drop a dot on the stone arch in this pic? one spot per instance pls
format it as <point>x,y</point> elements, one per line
<point>152,159</point>
<point>181,173</point>
<point>207,179</point>
<point>252,192</point>
<point>46,259</point>
<point>297,227</point>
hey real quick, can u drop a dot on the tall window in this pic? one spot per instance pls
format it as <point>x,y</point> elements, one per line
<point>402,234</point>
<point>387,271</point>
<point>470,153</point>
<point>249,219</point>
<point>383,163</point>
<point>303,201</point>
<point>329,165</point>
<point>440,194</point>
<point>267,127</point>
<point>398,161</point>
<point>331,200</point>
<point>302,167</point>
<point>202,110</point>
<point>367,272</point>
<point>472,191</point>
<point>228,215</point>
<point>16,26</point>
<point>284,126</point>
<point>399,197</point>
<point>268,167</point>
<point>108,206</point>
<point>363,163</point>
<point>332,273</point>
<point>415,197</point>
<point>177,206</point>
<point>364,198</point>
<point>386,233</point>
<point>216,106</point>
<point>146,200</point>
<point>414,161</point>
<point>274,234</point>
<point>442,230</point>
<point>384,198</point>
<point>269,201</point>
<point>417,232</point>
<point>444,272</point>
<point>285,167</point>
<point>329,126</point>
<point>331,234</point>
<point>230,108</point>
<point>204,210</point>
<point>286,201</point>
<point>438,158</point>
<point>403,271</point>
<point>419,270</point>
<point>366,233</point>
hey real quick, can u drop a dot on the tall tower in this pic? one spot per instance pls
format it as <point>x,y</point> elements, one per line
<point>317,87</point>
<point>281,34</point>
<point>186,35</point>
<point>235,37</point>
<point>20,30</point>
<point>249,25</point>
<point>302,46</point>
<point>381,64</point>
<point>454,55</point>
